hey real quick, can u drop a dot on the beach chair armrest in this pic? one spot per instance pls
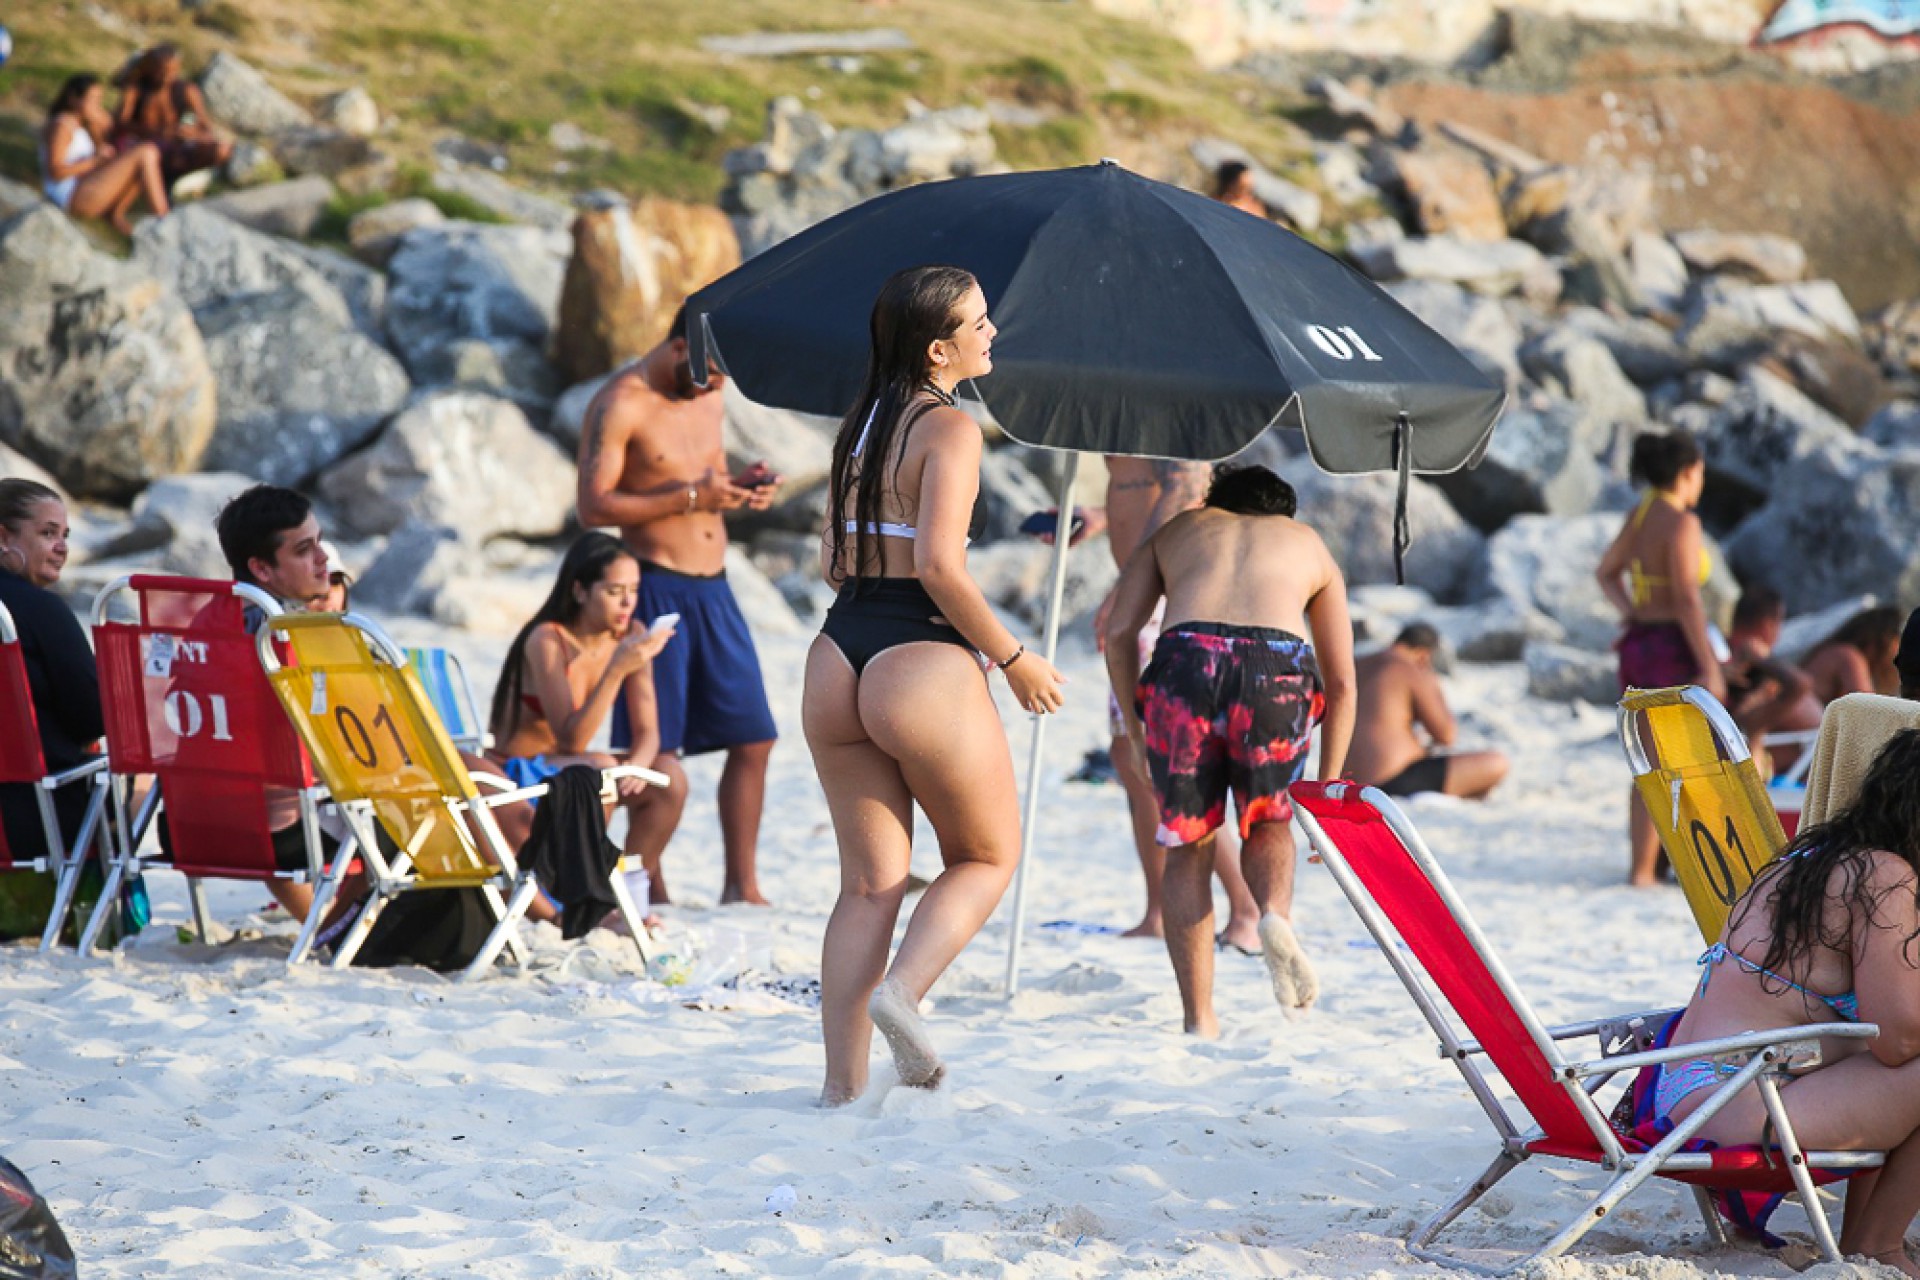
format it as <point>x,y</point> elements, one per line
<point>512,795</point>
<point>651,777</point>
<point>1800,1046</point>
<point>1610,1030</point>
<point>54,781</point>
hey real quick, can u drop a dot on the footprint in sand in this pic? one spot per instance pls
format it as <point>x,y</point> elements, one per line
<point>1294,982</point>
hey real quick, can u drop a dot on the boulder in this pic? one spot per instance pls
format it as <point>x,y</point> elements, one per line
<point>957,142</point>
<point>761,603</point>
<point>178,513</point>
<point>288,209</point>
<point>1838,523</point>
<point>569,417</point>
<point>468,461</point>
<point>418,560</point>
<point>241,99</point>
<point>799,446</point>
<point>297,389</point>
<point>1894,338</point>
<point>1494,268</point>
<point>208,258</point>
<point>1561,673</point>
<point>1450,192</point>
<point>1594,209</point>
<point>103,377</point>
<point>350,111</point>
<point>1347,100</point>
<point>1535,463</point>
<point>1354,514</point>
<point>251,164</point>
<point>498,196</point>
<point>1766,430</point>
<point>1756,256</point>
<point>17,197</point>
<point>1369,242</point>
<point>1659,271</point>
<point>375,233</point>
<point>1895,426</point>
<point>1729,321</point>
<point>363,289</point>
<point>1837,376</point>
<point>1014,577</point>
<point>1479,326</point>
<point>491,287</point>
<point>1645,350</point>
<point>333,153</point>
<point>1544,564</point>
<point>1586,372</point>
<point>629,272</point>
<point>1010,492</point>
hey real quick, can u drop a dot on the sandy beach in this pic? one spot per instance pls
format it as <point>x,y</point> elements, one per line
<point>194,1111</point>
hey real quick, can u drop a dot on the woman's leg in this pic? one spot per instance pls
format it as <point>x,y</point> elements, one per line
<point>873,822</point>
<point>927,706</point>
<point>1644,841</point>
<point>653,815</point>
<point>109,191</point>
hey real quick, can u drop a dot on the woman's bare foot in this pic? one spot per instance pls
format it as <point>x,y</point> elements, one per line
<point>1243,936</point>
<point>751,897</point>
<point>1294,983</point>
<point>1205,1027</point>
<point>1897,1258</point>
<point>1149,927</point>
<point>832,1097</point>
<point>897,1015</point>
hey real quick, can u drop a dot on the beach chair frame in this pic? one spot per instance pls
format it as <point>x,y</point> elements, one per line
<point>1402,896</point>
<point>507,887</point>
<point>129,826</point>
<point>444,678</point>
<point>21,762</point>
<point>1714,867</point>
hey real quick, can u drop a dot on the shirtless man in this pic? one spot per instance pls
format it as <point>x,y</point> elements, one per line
<point>653,464</point>
<point>1399,690</point>
<point>1765,692</point>
<point>1142,495</point>
<point>1229,704</point>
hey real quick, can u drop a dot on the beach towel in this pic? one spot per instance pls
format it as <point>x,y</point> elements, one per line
<point>1852,732</point>
<point>569,852</point>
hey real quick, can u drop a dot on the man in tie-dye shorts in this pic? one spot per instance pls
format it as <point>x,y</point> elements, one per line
<point>1227,706</point>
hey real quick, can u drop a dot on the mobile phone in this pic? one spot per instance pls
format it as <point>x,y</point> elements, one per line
<point>665,622</point>
<point>1046,522</point>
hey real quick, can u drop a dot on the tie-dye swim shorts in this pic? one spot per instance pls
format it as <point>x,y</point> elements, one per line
<point>1227,708</point>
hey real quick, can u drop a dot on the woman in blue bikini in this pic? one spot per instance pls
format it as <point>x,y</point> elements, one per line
<point>1830,932</point>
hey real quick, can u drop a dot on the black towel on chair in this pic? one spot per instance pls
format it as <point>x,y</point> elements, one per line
<point>569,851</point>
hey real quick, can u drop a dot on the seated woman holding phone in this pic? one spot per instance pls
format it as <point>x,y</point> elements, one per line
<point>562,675</point>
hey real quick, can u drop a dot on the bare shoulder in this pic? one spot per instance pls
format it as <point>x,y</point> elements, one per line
<point>948,430</point>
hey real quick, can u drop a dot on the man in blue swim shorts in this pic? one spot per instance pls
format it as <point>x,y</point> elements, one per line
<point>653,464</point>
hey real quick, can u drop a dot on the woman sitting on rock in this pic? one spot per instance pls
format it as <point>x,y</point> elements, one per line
<point>1858,656</point>
<point>562,675</point>
<point>84,175</point>
<point>1652,574</point>
<point>157,106</point>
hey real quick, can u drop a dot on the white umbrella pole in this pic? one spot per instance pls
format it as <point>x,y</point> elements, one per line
<point>1063,531</point>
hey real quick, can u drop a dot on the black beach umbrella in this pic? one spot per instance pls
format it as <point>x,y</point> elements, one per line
<point>1134,317</point>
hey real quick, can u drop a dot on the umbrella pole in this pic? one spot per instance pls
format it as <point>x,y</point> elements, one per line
<point>1063,528</point>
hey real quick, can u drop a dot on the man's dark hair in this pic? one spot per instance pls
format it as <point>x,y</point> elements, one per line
<point>1419,635</point>
<point>1227,176</point>
<point>1758,604</point>
<point>1908,660</point>
<point>678,329</point>
<point>250,526</point>
<point>1250,491</point>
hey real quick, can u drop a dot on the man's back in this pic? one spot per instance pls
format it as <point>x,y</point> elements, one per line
<point>1259,571</point>
<point>1386,710</point>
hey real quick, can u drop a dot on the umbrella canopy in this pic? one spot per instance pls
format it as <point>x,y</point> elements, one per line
<point>1134,317</point>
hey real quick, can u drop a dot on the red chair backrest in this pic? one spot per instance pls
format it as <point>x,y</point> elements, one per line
<point>185,700</point>
<point>20,758</point>
<point>1420,904</point>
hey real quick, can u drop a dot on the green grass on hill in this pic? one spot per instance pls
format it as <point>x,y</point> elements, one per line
<point>507,70</point>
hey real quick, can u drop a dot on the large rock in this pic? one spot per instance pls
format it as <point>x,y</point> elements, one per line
<point>375,233</point>
<point>15,465</point>
<point>1010,492</point>
<point>1479,326</point>
<point>1659,271</point>
<point>363,288</point>
<point>1838,523</point>
<point>297,388</point>
<point>464,292</point>
<point>1760,257</point>
<point>1804,632</point>
<point>1545,564</point>
<point>17,197</point>
<point>1354,514</point>
<point>1837,376</point>
<point>799,446</point>
<point>240,98</point>
<point>333,153</point>
<point>937,144</point>
<point>1896,426</point>
<point>498,196</point>
<point>351,111</point>
<point>1729,321</point>
<point>1586,372</point>
<point>1450,192</point>
<point>1561,673</point>
<point>765,609</point>
<point>178,513</point>
<point>290,209</point>
<point>103,377</point>
<point>1894,337</point>
<point>467,461</point>
<point>208,258</point>
<point>1645,350</point>
<point>1491,267</point>
<point>1536,462</point>
<point>629,272</point>
<point>1766,430</point>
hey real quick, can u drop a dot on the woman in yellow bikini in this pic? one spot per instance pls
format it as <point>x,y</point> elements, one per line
<point>1653,573</point>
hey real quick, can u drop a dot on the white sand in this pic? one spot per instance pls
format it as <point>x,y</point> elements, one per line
<point>199,1111</point>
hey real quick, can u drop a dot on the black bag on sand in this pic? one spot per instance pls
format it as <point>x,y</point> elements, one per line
<point>32,1245</point>
<point>441,929</point>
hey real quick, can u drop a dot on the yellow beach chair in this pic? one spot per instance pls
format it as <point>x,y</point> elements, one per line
<point>1696,777</point>
<point>386,758</point>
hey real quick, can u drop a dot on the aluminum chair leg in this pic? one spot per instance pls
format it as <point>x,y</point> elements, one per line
<point>632,913</point>
<point>126,856</point>
<point>1710,1218</point>
<point>323,896</point>
<point>1797,1167</point>
<point>356,936</point>
<point>516,950</point>
<point>197,895</point>
<point>502,935</point>
<point>67,872</point>
<point>1503,1164</point>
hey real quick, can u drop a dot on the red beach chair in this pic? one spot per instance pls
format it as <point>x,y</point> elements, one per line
<point>1473,1005</point>
<point>186,702</point>
<point>21,763</point>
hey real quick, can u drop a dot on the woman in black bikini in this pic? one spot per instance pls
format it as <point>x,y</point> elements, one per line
<point>897,709</point>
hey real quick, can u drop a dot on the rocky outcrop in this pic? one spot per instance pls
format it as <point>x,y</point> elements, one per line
<point>207,258</point>
<point>289,209</point>
<point>375,233</point>
<point>1537,462</point>
<point>467,461</point>
<point>1838,523</point>
<point>242,99</point>
<point>103,377</point>
<point>1354,514</point>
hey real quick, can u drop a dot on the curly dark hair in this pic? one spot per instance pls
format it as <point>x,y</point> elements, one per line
<point>1801,882</point>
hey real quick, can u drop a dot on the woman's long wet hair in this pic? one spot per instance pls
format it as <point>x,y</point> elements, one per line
<point>585,564</point>
<point>916,307</point>
<point>1801,882</point>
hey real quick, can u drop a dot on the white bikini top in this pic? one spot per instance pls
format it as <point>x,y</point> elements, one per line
<point>886,528</point>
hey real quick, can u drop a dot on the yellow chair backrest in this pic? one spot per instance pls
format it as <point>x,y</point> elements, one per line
<point>1695,775</point>
<point>374,737</point>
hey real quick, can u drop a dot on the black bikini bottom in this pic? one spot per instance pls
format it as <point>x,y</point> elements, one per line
<point>873,615</point>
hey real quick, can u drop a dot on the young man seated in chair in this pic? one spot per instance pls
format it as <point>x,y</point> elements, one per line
<point>1766,693</point>
<point>1399,692</point>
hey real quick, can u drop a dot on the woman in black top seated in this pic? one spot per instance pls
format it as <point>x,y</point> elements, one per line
<point>60,668</point>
